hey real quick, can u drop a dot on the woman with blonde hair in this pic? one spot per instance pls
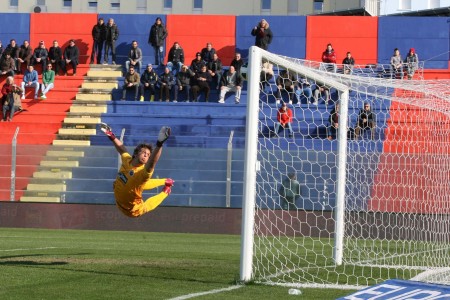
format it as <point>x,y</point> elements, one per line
<point>10,98</point>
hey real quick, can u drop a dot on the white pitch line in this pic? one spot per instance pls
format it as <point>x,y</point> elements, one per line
<point>27,249</point>
<point>188,296</point>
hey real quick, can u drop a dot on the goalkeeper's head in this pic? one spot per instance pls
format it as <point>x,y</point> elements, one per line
<point>142,153</point>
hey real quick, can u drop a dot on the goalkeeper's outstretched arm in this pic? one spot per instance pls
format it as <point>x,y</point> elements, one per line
<point>106,129</point>
<point>163,135</point>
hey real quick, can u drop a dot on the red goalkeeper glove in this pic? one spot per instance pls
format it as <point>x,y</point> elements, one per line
<point>169,182</point>
<point>163,135</point>
<point>108,131</point>
<point>167,190</point>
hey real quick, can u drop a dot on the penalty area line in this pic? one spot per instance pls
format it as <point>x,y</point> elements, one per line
<point>188,296</point>
<point>27,249</point>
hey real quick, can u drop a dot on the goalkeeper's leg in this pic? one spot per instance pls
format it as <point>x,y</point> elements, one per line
<point>153,183</point>
<point>153,202</point>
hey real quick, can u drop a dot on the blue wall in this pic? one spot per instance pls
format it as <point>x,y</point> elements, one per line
<point>14,26</point>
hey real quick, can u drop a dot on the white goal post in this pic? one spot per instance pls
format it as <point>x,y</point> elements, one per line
<point>373,201</point>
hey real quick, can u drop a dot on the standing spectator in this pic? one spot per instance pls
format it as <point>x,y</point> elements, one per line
<point>157,38</point>
<point>348,64</point>
<point>237,62</point>
<point>134,57</point>
<point>366,120</point>
<point>30,79</point>
<point>166,81</point>
<point>412,62</point>
<point>231,82</point>
<point>148,82</point>
<point>208,53</point>
<point>285,82</point>
<point>24,56</point>
<point>111,36</point>
<point>197,63</point>
<point>55,57</point>
<point>184,79</point>
<point>263,34</point>
<point>289,191</point>
<point>175,57</point>
<point>71,56</point>
<point>132,81</point>
<point>10,98</point>
<point>98,35</point>
<point>396,64</point>
<point>202,80</point>
<point>48,80</point>
<point>7,65</point>
<point>40,56</point>
<point>284,119</point>
<point>334,122</point>
<point>329,59</point>
<point>215,70</point>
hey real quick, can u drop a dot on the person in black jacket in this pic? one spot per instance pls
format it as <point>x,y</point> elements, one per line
<point>263,35</point>
<point>111,36</point>
<point>40,56</point>
<point>166,81</point>
<point>55,57</point>
<point>366,120</point>
<point>215,70</point>
<point>183,83</point>
<point>202,80</point>
<point>24,56</point>
<point>157,38</point>
<point>175,59</point>
<point>98,35</point>
<point>71,56</point>
<point>149,78</point>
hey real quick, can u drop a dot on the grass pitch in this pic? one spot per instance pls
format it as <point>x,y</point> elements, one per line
<point>82,264</point>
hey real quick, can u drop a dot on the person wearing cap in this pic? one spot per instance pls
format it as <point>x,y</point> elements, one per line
<point>149,78</point>
<point>157,38</point>
<point>412,62</point>
<point>284,119</point>
<point>98,35</point>
<point>134,57</point>
<point>263,34</point>
<point>40,56</point>
<point>197,63</point>
<point>70,57</point>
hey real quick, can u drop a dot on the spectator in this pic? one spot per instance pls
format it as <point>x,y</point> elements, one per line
<point>215,70</point>
<point>207,53</point>
<point>266,74</point>
<point>202,80</point>
<point>329,59</point>
<point>55,57</point>
<point>184,78</point>
<point>366,120</point>
<point>334,122</point>
<point>323,92</point>
<point>157,38</point>
<point>166,81</point>
<point>396,65</point>
<point>285,82</point>
<point>231,82</point>
<point>289,191</point>
<point>1,49</point>
<point>132,82</point>
<point>30,79</point>
<point>284,119</point>
<point>303,88</point>
<point>7,65</point>
<point>263,34</point>
<point>134,57</point>
<point>197,63</point>
<point>111,36</point>
<point>237,62</point>
<point>71,55</point>
<point>148,82</point>
<point>98,35</point>
<point>175,57</point>
<point>13,49</point>
<point>48,80</point>
<point>348,64</point>
<point>40,56</point>
<point>10,98</point>
<point>412,62</point>
<point>24,56</point>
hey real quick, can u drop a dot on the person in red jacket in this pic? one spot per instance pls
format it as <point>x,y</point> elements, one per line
<point>284,118</point>
<point>329,59</point>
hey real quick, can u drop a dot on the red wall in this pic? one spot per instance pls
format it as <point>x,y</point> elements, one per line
<point>355,34</point>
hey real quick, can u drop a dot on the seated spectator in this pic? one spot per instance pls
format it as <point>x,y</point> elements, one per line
<point>303,88</point>
<point>329,59</point>
<point>197,63</point>
<point>13,49</point>
<point>366,120</point>
<point>165,81</point>
<point>24,56</point>
<point>55,57</point>
<point>348,64</point>
<point>266,75</point>
<point>334,122</point>
<point>396,65</point>
<point>149,79</point>
<point>207,53</point>
<point>30,79</point>
<point>134,58</point>
<point>412,62</point>
<point>284,119</point>
<point>48,80</point>
<point>7,65</point>
<point>132,82</point>
<point>183,83</point>
<point>237,62</point>
<point>175,58</point>
<point>10,99</point>
<point>323,92</point>
<point>71,55</point>
<point>289,191</point>
<point>40,56</point>
<point>1,49</point>
<point>285,83</point>
<point>202,80</point>
<point>231,82</point>
<point>215,70</point>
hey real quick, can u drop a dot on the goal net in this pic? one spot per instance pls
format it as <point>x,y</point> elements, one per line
<point>347,199</point>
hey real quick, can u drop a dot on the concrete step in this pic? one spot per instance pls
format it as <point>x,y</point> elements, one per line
<point>104,73</point>
<point>53,174</point>
<point>99,67</point>
<point>85,120</point>
<point>99,109</point>
<point>93,97</point>
<point>71,143</point>
<point>62,154</point>
<point>99,85</point>
<point>60,164</point>
<point>75,131</point>
<point>40,199</point>
<point>46,187</point>
<point>100,79</point>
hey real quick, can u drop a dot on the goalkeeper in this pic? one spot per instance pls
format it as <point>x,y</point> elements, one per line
<point>135,175</point>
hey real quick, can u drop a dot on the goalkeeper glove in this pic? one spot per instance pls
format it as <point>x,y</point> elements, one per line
<point>163,135</point>
<point>108,131</point>
<point>169,182</point>
<point>167,190</point>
